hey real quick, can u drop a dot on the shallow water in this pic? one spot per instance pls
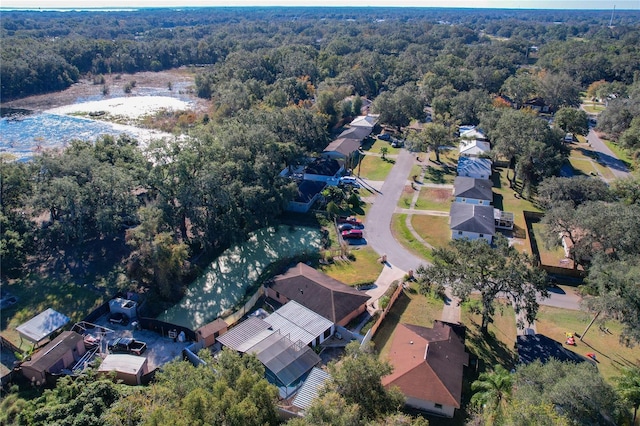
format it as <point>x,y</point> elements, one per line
<point>225,282</point>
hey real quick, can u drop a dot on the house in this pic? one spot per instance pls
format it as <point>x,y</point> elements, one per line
<point>342,148</point>
<point>308,392</point>
<point>428,365</point>
<point>43,325</point>
<point>367,121</point>
<point>359,133</point>
<point>208,333</point>
<point>474,148</point>
<point>532,347</point>
<point>470,133</point>
<point>128,368</point>
<point>473,191</point>
<point>59,354</point>
<point>319,292</point>
<point>322,170</point>
<point>479,168</point>
<point>471,221</point>
<point>308,193</point>
<point>537,104</point>
<point>301,324</point>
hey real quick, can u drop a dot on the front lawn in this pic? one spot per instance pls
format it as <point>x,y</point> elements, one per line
<point>403,235</point>
<point>363,270</point>
<point>438,199</point>
<point>375,148</point>
<point>610,353</point>
<point>410,308</point>
<point>374,168</point>
<point>434,229</point>
<point>498,346</point>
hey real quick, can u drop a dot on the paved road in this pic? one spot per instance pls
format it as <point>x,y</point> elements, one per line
<point>378,221</point>
<point>606,156</point>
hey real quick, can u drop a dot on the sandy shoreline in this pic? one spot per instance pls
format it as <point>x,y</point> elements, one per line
<point>130,107</point>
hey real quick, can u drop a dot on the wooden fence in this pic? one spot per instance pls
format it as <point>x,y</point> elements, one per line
<point>392,300</point>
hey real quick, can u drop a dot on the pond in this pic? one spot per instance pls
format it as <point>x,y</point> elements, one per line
<point>226,281</point>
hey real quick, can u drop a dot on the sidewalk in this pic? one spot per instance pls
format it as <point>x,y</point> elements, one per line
<point>388,275</point>
<point>451,309</point>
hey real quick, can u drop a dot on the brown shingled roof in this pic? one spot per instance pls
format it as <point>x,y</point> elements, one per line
<point>428,363</point>
<point>319,292</point>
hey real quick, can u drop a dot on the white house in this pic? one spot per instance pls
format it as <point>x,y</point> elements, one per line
<point>472,191</point>
<point>474,148</point>
<point>472,221</point>
<point>479,168</point>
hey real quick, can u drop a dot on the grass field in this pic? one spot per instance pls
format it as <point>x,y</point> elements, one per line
<point>410,308</point>
<point>374,168</point>
<point>498,346</point>
<point>364,269</point>
<point>622,154</point>
<point>583,159</point>
<point>434,199</point>
<point>405,237</point>
<point>375,147</point>
<point>444,172</point>
<point>610,353</point>
<point>434,229</point>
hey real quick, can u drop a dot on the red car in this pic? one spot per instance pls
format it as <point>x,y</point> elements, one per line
<point>352,234</point>
<point>350,220</point>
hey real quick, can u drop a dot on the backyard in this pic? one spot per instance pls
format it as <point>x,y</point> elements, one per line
<point>364,269</point>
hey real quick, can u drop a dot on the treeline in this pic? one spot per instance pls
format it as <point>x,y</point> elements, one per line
<point>176,200</point>
<point>370,49</point>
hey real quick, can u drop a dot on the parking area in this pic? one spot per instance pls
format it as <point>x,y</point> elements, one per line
<point>160,349</point>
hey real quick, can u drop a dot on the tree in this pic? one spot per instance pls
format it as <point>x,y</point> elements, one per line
<point>628,386</point>
<point>627,190</point>
<point>397,108</point>
<point>492,391</point>
<point>572,120</point>
<point>433,136</point>
<point>330,409</point>
<point>357,378</point>
<point>473,265</point>
<point>616,288</point>
<point>559,90</point>
<point>520,87</point>
<point>384,151</point>
<point>576,190</point>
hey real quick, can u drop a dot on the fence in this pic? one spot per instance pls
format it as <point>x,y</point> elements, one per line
<point>237,315</point>
<point>372,331</point>
<point>163,328</point>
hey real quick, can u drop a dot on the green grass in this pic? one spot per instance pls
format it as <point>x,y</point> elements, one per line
<point>375,148</point>
<point>374,168</point>
<point>551,257</point>
<point>593,107</point>
<point>364,269</point>
<point>444,173</point>
<point>498,346</point>
<point>410,308</point>
<point>610,353</point>
<point>434,199</point>
<point>434,229</point>
<point>406,197</point>
<point>406,238</point>
<point>622,154</point>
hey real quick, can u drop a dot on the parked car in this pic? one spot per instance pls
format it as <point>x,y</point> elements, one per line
<point>397,143</point>
<point>568,137</point>
<point>352,234</point>
<point>349,180</point>
<point>384,136</point>
<point>118,318</point>
<point>351,220</point>
<point>127,345</point>
<point>345,227</point>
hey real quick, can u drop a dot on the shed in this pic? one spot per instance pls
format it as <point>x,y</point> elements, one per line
<point>123,306</point>
<point>42,326</point>
<point>59,354</point>
<point>208,333</point>
<point>128,368</point>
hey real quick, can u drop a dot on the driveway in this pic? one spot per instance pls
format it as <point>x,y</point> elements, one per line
<point>378,220</point>
<point>606,156</point>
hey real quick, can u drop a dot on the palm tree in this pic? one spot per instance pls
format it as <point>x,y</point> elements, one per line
<point>492,392</point>
<point>629,388</point>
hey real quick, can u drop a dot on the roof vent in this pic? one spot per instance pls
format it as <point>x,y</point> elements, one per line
<point>411,342</point>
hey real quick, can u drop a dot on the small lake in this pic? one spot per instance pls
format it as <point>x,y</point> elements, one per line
<point>225,282</point>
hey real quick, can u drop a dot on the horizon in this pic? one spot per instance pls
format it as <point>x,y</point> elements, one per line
<point>124,5</point>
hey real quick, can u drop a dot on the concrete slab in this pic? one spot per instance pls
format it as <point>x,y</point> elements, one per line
<point>389,274</point>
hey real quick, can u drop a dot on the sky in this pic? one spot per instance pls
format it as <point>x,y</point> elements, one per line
<point>517,4</point>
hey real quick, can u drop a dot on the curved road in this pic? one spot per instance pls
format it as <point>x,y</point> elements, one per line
<point>378,219</point>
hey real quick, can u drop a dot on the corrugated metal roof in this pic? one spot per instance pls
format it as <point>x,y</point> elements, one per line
<point>42,325</point>
<point>246,334</point>
<point>299,322</point>
<point>309,390</point>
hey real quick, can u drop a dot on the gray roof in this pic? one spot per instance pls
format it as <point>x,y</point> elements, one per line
<point>286,359</point>
<point>246,334</point>
<point>468,187</point>
<point>472,166</point>
<point>358,133</point>
<point>54,351</point>
<point>307,189</point>
<point>309,390</point>
<point>323,167</point>
<point>344,146</point>
<point>42,325</point>
<point>298,322</point>
<point>472,218</point>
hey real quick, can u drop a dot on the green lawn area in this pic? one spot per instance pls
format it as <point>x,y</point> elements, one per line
<point>444,172</point>
<point>583,159</point>
<point>434,229</point>
<point>498,346</point>
<point>611,355</point>
<point>410,308</point>
<point>550,257</point>
<point>406,197</point>
<point>374,167</point>
<point>593,107</point>
<point>434,199</point>
<point>37,293</point>
<point>375,148</point>
<point>406,238</point>
<point>364,269</point>
<point>622,154</point>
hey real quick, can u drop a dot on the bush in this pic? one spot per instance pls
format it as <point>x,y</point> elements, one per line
<point>384,302</point>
